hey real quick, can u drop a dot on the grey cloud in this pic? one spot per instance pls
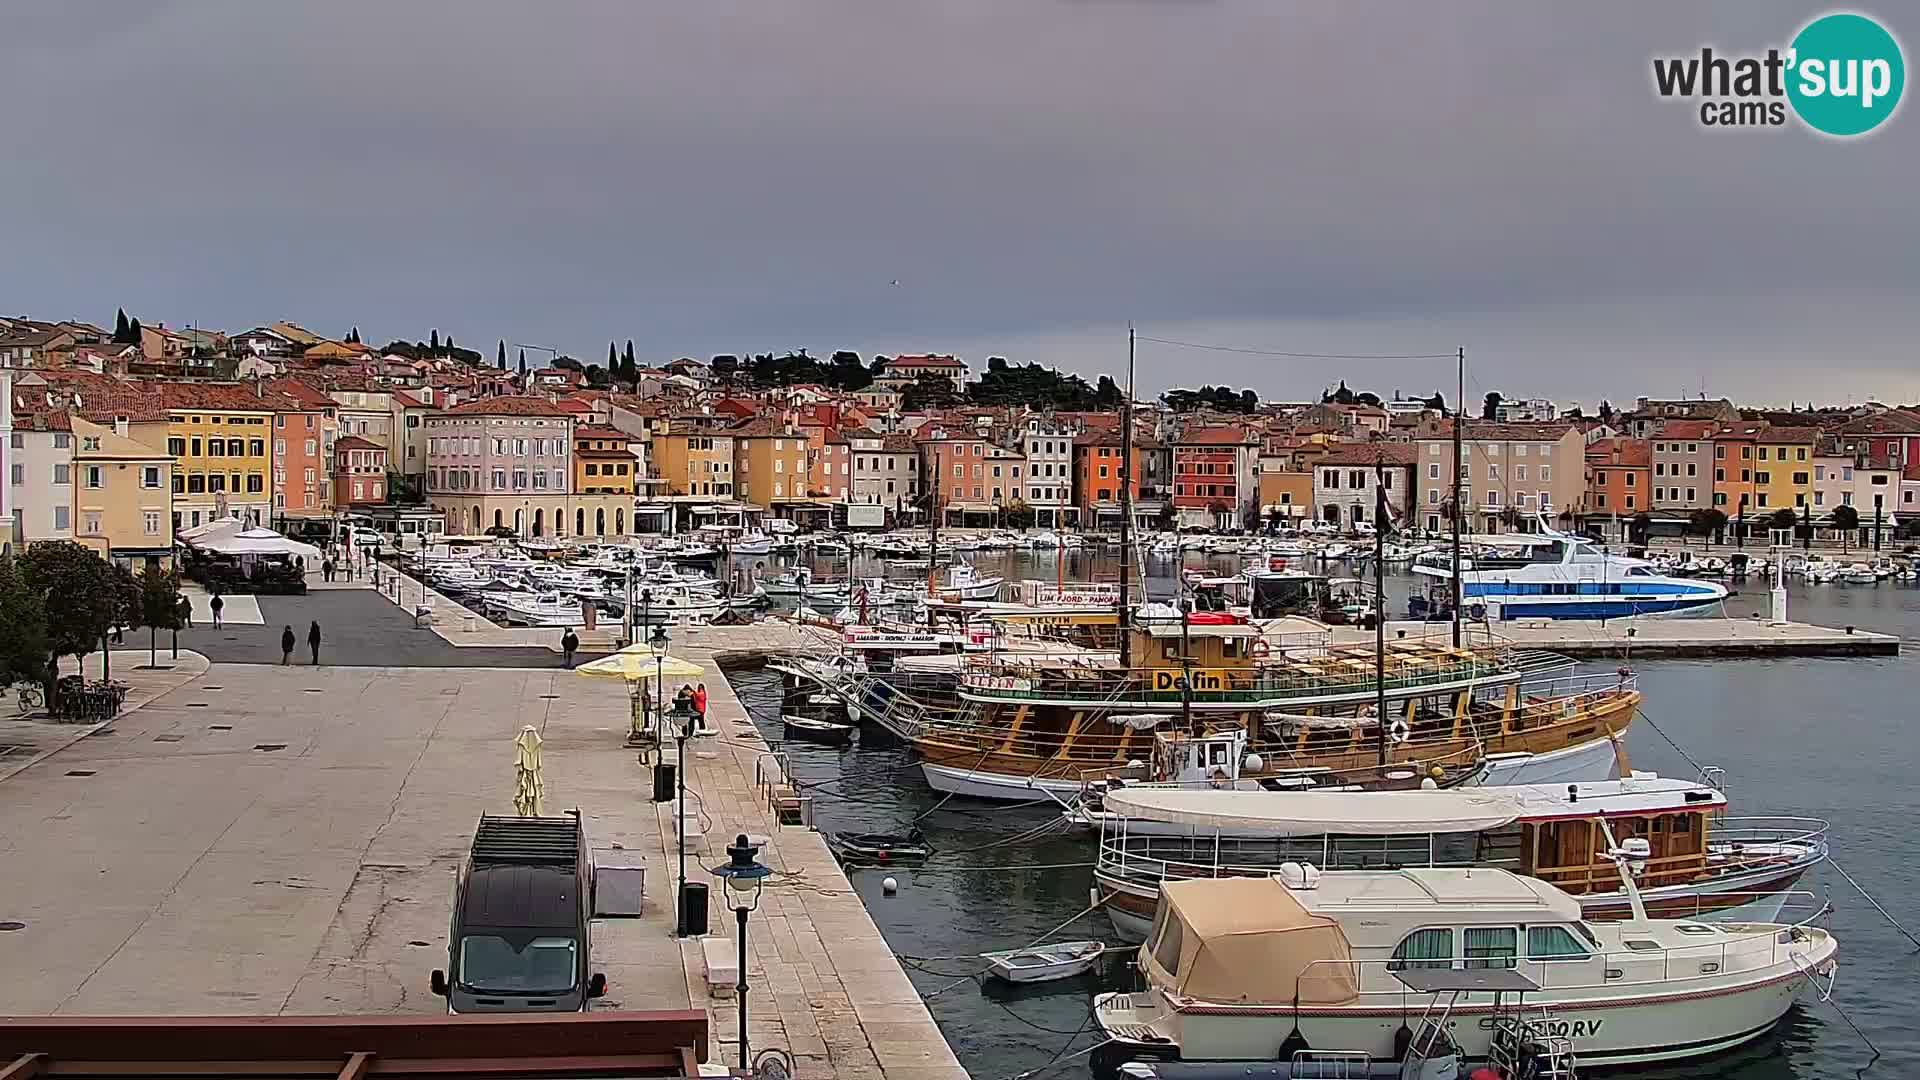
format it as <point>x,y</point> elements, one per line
<point>734,176</point>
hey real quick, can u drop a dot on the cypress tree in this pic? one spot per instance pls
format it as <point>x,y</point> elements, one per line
<point>523,363</point>
<point>133,332</point>
<point>613,357</point>
<point>501,359</point>
<point>433,340</point>
<point>120,327</point>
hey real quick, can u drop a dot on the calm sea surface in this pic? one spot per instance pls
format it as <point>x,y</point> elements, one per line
<point>1832,739</point>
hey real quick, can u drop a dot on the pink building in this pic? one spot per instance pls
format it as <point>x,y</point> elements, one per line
<point>502,462</point>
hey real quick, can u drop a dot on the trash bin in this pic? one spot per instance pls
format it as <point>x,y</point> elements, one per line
<point>693,909</point>
<point>663,781</point>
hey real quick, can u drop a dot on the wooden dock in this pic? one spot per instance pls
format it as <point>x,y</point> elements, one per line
<point>1654,637</point>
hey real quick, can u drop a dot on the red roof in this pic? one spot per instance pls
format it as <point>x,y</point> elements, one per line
<point>355,442</point>
<point>1370,453</point>
<point>508,405</point>
<point>597,431</point>
<point>408,401</point>
<point>923,361</point>
<point>1684,429</point>
<point>303,393</point>
<point>1215,436</point>
<point>1891,422</point>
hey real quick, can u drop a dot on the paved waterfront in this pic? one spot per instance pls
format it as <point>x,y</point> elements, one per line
<point>359,628</point>
<point>265,839</point>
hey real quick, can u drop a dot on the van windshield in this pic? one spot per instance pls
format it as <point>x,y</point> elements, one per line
<point>491,965</point>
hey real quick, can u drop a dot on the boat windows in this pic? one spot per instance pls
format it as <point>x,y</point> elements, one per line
<point>1587,935</point>
<point>1491,946</point>
<point>1166,942</point>
<point>1554,943</point>
<point>1641,945</point>
<point>1695,930</point>
<point>1427,948</point>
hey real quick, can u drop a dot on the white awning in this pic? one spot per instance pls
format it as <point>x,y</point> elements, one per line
<point>1318,813</point>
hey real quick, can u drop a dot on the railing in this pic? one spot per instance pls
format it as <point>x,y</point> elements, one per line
<point>1131,859</point>
<point>1724,854</point>
<point>995,680</point>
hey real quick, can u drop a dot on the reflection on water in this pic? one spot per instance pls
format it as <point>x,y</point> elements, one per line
<point>1813,737</point>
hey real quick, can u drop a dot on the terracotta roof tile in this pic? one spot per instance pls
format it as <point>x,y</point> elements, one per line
<point>508,405</point>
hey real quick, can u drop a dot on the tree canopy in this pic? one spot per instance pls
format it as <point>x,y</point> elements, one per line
<point>1490,408</point>
<point>1034,386</point>
<point>929,391</point>
<point>89,595</point>
<point>23,627</point>
<point>1220,398</point>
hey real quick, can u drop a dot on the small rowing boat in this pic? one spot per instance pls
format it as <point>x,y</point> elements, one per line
<point>880,847</point>
<point>810,729</point>
<point>1045,963</point>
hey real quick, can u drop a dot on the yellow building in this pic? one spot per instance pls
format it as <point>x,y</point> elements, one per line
<point>602,464</point>
<point>220,438</point>
<point>695,458</point>
<point>769,462</point>
<point>122,495</point>
<point>1783,468</point>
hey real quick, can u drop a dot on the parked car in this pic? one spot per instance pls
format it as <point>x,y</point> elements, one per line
<point>367,538</point>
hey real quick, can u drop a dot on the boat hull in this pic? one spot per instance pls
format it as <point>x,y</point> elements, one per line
<point>1678,1023</point>
<point>1596,759</point>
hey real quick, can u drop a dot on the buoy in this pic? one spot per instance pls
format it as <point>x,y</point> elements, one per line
<point>889,886</point>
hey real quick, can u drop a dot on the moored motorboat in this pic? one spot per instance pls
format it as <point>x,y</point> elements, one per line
<point>853,847</point>
<point>1238,967</point>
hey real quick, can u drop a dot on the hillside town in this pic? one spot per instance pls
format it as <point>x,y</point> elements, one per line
<point>118,439</point>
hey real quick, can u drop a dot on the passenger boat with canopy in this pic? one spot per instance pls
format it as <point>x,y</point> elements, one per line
<point>1692,859</point>
<point>1046,721</point>
<point>1246,973</point>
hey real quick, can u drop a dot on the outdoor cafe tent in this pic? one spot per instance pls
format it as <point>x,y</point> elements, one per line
<point>256,541</point>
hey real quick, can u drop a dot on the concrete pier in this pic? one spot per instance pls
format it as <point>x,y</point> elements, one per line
<point>259,839</point>
<point>1652,637</point>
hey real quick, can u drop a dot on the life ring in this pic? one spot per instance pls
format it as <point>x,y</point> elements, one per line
<point>1218,777</point>
<point>1399,732</point>
<point>1260,649</point>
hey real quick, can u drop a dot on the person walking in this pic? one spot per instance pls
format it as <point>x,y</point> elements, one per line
<point>700,703</point>
<point>215,605</point>
<point>286,645</point>
<point>313,641</point>
<point>568,643</point>
<point>184,612</point>
<point>326,569</point>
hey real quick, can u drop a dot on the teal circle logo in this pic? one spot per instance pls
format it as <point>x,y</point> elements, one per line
<point>1845,74</point>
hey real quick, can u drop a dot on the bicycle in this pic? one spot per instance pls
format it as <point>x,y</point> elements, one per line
<point>29,698</point>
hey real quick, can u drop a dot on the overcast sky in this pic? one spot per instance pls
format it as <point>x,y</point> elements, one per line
<point>721,177</point>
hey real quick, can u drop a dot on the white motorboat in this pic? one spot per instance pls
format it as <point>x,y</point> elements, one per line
<point>1305,960</point>
<point>536,609</point>
<point>753,544</point>
<point>963,583</point>
<point>1567,577</point>
<point>1044,963</point>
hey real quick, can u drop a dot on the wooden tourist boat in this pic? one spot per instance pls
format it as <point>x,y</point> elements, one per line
<point>1697,862</point>
<point>1037,723</point>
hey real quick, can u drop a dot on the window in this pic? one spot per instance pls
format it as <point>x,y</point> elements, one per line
<point>236,448</point>
<point>1429,948</point>
<point>217,482</point>
<point>309,476</point>
<point>1493,498</point>
<point>1629,479</point>
<point>153,522</point>
<point>216,448</point>
<point>257,447</point>
<point>256,483</point>
<point>1554,943</point>
<point>92,474</point>
<point>499,478</point>
<point>62,440</point>
<point>62,474</point>
<point>62,518</point>
<point>1491,946</point>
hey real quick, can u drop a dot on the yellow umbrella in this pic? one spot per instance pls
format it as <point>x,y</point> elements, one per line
<point>528,788</point>
<point>641,661</point>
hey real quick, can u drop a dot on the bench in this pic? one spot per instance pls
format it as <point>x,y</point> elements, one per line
<point>723,969</point>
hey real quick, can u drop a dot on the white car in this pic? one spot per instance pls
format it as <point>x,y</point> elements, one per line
<point>367,538</point>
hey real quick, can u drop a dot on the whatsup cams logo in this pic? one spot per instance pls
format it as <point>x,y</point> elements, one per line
<point>1842,76</point>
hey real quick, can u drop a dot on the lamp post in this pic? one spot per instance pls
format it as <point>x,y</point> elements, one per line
<point>744,876</point>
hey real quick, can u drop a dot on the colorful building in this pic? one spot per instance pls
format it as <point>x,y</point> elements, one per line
<point>1216,477</point>
<point>769,463</point>
<point>359,472</point>
<point>602,464</point>
<point>1619,477</point>
<point>1783,468</point>
<point>1682,457</point>
<point>122,495</point>
<point>220,437</point>
<point>501,462</point>
<point>695,457</point>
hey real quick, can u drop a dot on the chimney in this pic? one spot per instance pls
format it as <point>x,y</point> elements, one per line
<point>120,426</point>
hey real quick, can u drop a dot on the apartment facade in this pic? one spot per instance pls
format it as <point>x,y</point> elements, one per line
<point>1350,478</point>
<point>602,464</point>
<point>1619,477</point>
<point>220,438</point>
<point>1508,471</point>
<point>769,463</point>
<point>501,462</point>
<point>359,472</point>
<point>1783,467</point>
<point>1048,447</point>
<point>122,495</point>
<point>886,469</point>
<point>1215,477</point>
<point>1682,460</point>
<point>695,457</point>
<point>957,472</point>
<point>40,475</point>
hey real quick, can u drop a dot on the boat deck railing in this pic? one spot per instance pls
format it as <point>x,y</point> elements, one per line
<point>1258,687</point>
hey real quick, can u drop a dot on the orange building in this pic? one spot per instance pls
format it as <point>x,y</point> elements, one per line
<point>1096,475</point>
<point>305,426</point>
<point>1619,476</point>
<point>359,472</point>
<point>1734,491</point>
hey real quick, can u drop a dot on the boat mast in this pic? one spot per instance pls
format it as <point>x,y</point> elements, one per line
<point>1126,515</point>
<point>1380,520</point>
<point>933,528</point>
<point>1459,510</point>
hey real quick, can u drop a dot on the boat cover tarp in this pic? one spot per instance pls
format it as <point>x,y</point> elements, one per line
<point>1319,813</point>
<point>1247,941</point>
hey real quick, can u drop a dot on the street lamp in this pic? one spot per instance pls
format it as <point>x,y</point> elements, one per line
<point>744,876</point>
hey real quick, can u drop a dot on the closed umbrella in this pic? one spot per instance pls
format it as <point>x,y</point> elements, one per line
<point>528,788</point>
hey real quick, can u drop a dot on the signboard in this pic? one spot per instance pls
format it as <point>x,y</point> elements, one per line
<point>998,682</point>
<point>1203,679</point>
<point>866,516</point>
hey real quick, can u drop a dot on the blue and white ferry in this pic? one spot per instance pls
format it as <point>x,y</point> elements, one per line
<point>1553,575</point>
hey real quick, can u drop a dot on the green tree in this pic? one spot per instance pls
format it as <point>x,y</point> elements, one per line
<point>1017,515</point>
<point>23,627</point>
<point>1165,518</point>
<point>353,336</point>
<point>133,332</point>
<point>929,391</point>
<point>500,355</point>
<point>159,606</point>
<point>1784,518</point>
<point>1490,408</point>
<point>1438,403</point>
<point>613,357</point>
<point>89,598</point>
<point>433,340</point>
<point>120,327</point>
<point>1707,522</point>
<point>1642,525</point>
<point>523,365</point>
<point>629,367</point>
